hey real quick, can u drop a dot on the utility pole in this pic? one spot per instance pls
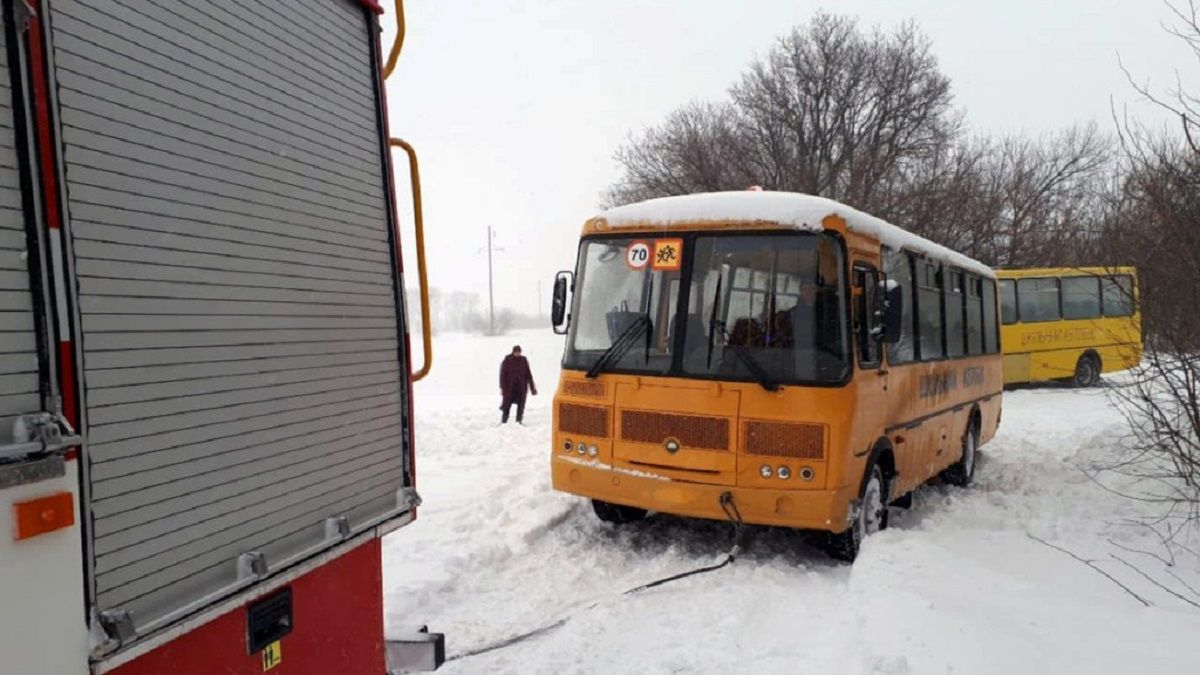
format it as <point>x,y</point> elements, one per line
<point>491,302</point>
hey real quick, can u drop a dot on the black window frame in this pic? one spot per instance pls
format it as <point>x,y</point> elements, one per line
<point>954,278</point>
<point>864,310</point>
<point>1132,291</point>
<point>930,273</point>
<point>683,301</point>
<point>992,287</point>
<point>1062,297</point>
<point>1020,306</point>
<point>909,294</point>
<point>1001,284</point>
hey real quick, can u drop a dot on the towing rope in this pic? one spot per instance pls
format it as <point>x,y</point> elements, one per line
<point>728,506</point>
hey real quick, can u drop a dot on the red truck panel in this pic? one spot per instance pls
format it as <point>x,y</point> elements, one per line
<point>338,612</point>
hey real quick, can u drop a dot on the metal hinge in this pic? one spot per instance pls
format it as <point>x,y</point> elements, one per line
<point>116,628</point>
<point>407,499</point>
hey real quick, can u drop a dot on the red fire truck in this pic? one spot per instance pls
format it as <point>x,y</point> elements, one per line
<point>205,374</point>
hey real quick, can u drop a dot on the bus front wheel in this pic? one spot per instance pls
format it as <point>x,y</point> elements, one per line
<point>617,514</point>
<point>1087,371</point>
<point>869,518</point>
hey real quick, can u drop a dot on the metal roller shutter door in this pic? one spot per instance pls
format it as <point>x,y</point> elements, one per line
<point>19,385</point>
<point>229,226</point>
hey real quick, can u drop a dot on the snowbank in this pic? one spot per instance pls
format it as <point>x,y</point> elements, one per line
<point>956,585</point>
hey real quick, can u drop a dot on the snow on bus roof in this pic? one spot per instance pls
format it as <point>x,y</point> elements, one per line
<point>792,209</point>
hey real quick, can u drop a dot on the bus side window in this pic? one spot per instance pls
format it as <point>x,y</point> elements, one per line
<point>1039,300</point>
<point>1081,297</point>
<point>1008,301</point>
<point>1118,295</point>
<point>866,286</point>
<point>974,316</point>
<point>955,325</point>
<point>898,267</point>
<point>929,311</point>
<point>991,332</point>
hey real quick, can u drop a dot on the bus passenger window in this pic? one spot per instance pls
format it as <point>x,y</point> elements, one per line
<point>991,332</point>
<point>974,316</point>
<point>1081,297</point>
<point>954,313</point>
<point>1118,295</point>
<point>929,309</point>
<point>898,267</point>
<point>1038,299</point>
<point>1008,301</point>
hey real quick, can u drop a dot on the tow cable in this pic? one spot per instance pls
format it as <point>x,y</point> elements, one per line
<point>728,506</point>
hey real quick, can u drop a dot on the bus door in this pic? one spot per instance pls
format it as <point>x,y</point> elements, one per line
<point>872,382</point>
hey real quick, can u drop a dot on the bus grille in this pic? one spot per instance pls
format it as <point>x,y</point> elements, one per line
<point>586,420</point>
<point>709,433</point>
<point>783,439</point>
<point>580,388</point>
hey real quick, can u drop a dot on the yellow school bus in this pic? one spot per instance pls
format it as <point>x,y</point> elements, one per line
<point>786,354</point>
<point>1068,323</point>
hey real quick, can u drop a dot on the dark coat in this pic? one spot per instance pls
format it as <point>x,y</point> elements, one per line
<point>515,378</point>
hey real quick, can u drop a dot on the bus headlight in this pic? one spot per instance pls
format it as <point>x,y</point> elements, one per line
<point>593,451</point>
<point>581,449</point>
<point>806,473</point>
<point>568,445</point>
<point>784,473</point>
<point>765,471</point>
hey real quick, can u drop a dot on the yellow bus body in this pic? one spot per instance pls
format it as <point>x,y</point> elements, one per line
<point>919,410</point>
<point>1041,351</point>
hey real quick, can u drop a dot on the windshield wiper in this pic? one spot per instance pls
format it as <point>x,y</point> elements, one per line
<point>621,345</point>
<point>764,378</point>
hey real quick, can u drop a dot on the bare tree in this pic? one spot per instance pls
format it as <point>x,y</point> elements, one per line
<point>868,118</point>
<point>830,110</point>
<point>694,150</point>
<point>1153,224</point>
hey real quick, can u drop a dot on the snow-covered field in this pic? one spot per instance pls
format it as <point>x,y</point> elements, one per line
<point>956,585</point>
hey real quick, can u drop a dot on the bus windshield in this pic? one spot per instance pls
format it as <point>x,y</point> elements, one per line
<point>761,307</point>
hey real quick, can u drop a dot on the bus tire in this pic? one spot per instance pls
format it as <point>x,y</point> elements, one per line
<point>962,472</point>
<point>870,516</point>
<point>617,514</point>
<point>1087,371</point>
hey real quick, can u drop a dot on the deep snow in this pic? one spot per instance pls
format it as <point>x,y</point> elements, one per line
<point>956,585</point>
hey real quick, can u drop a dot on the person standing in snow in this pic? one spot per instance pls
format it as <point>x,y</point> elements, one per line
<point>515,381</point>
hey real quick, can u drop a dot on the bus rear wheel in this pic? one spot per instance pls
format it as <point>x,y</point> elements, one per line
<point>617,514</point>
<point>1087,371</point>
<point>962,472</point>
<point>871,517</point>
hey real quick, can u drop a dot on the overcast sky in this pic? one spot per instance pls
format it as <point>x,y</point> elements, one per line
<point>516,106</point>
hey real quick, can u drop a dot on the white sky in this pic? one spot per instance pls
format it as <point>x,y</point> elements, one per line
<point>516,106</point>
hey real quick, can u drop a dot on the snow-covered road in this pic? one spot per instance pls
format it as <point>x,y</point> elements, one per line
<point>956,585</point>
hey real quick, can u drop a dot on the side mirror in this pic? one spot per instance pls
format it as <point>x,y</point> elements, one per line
<point>559,320</point>
<point>893,312</point>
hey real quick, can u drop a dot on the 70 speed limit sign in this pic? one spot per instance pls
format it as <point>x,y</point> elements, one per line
<point>637,256</point>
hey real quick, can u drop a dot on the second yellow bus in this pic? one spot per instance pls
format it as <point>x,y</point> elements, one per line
<point>1068,323</point>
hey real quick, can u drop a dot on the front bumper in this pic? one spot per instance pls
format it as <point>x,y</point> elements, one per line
<point>807,509</point>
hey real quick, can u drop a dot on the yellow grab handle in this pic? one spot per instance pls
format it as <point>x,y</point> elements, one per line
<point>422,275</point>
<point>397,43</point>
